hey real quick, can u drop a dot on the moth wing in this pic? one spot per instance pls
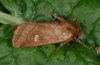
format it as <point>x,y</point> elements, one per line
<point>31,34</point>
<point>45,34</point>
<point>21,33</point>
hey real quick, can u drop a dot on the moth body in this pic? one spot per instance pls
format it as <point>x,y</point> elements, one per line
<point>38,34</point>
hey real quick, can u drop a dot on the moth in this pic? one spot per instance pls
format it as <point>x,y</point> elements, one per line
<point>39,34</point>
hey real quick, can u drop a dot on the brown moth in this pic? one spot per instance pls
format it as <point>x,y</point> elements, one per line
<point>38,34</point>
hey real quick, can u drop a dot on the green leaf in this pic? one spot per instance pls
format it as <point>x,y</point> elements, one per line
<point>8,19</point>
<point>88,15</point>
<point>85,11</point>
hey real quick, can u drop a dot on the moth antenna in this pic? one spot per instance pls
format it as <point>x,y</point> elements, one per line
<point>80,42</point>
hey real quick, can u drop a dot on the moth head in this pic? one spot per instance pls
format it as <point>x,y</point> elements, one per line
<point>74,28</point>
<point>78,31</point>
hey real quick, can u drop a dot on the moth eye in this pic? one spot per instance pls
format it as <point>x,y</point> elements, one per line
<point>36,38</point>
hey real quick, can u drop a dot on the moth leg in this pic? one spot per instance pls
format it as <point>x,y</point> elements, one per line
<point>60,19</point>
<point>57,49</point>
<point>79,41</point>
<point>53,19</point>
<point>61,45</point>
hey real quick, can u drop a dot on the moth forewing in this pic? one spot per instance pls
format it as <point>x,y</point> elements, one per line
<point>21,33</point>
<point>37,34</point>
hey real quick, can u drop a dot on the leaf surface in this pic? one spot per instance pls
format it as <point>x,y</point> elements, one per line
<point>86,13</point>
